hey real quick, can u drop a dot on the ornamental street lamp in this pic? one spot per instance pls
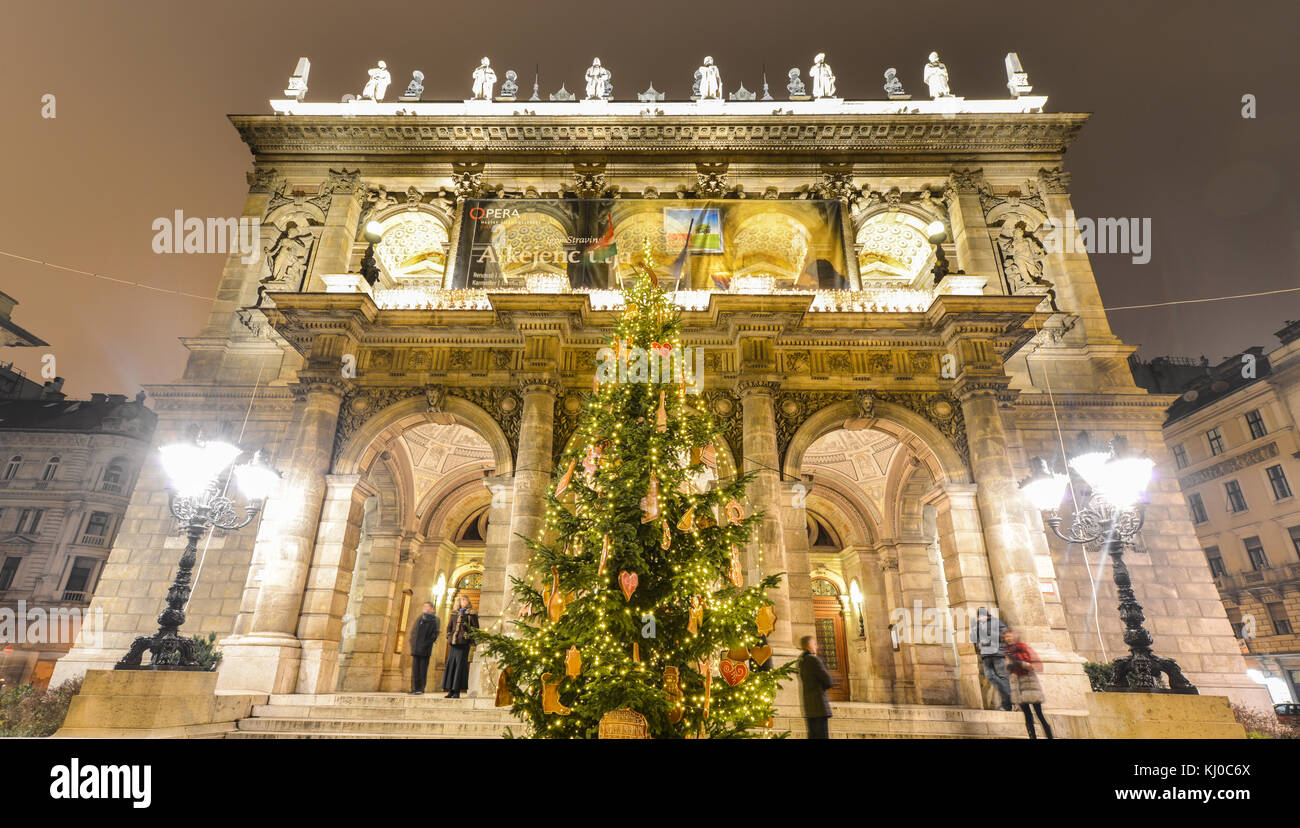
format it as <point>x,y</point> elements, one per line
<point>1113,514</point>
<point>200,474</point>
<point>369,269</point>
<point>937,235</point>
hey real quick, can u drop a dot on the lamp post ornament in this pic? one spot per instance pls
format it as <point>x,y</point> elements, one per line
<point>1113,515</point>
<point>199,502</point>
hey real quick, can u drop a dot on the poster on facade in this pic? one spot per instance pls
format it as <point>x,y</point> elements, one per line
<point>715,245</point>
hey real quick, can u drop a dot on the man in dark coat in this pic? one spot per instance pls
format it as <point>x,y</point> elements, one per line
<point>986,635</point>
<point>422,638</point>
<point>814,681</point>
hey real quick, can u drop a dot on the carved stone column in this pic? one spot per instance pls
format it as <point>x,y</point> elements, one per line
<point>266,660</point>
<point>794,524</point>
<point>1002,514</point>
<point>334,250</point>
<point>975,253</point>
<point>903,689</point>
<point>532,477</point>
<point>876,665</point>
<point>966,568</point>
<point>496,587</point>
<point>767,546</point>
<point>329,581</point>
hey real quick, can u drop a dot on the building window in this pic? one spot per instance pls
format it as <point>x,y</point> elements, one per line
<point>29,521</point>
<point>1258,560</point>
<point>1198,508</point>
<point>51,469</point>
<point>1294,531</point>
<point>79,580</point>
<point>1281,624</point>
<point>11,468</point>
<point>8,571</point>
<point>1216,440</point>
<point>1180,456</point>
<point>113,477</point>
<point>1236,500</point>
<point>1277,479</point>
<point>96,529</point>
<point>1256,424</point>
<point>1215,560</point>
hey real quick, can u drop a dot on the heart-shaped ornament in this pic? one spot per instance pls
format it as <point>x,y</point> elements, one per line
<point>628,581</point>
<point>760,654</point>
<point>733,672</point>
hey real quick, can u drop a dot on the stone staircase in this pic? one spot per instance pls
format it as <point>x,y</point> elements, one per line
<point>861,720</point>
<point>400,716</point>
<point>375,716</point>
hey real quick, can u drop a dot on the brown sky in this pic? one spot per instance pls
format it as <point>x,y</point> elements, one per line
<point>143,89</point>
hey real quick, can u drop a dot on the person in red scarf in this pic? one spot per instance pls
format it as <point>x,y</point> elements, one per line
<point>1026,691</point>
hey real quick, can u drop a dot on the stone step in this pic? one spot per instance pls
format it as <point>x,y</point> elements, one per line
<point>421,713</point>
<point>374,727</point>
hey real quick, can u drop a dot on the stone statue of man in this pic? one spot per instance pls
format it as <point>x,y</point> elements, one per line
<point>286,258</point>
<point>598,79</point>
<point>936,77</point>
<point>823,79</point>
<point>484,79</point>
<point>1022,258</point>
<point>710,80</point>
<point>378,83</point>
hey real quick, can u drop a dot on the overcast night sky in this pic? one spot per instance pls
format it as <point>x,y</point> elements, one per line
<point>143,90</point>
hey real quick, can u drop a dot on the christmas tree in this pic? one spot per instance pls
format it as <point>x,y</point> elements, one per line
<point>636,615</point>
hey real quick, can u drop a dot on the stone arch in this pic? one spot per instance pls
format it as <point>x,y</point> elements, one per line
<point>857,519</point>
<point>413,242</point>
<point>904,252</point>
<point>917,434</point>
<point>1030,215</point>
<point>449,503</point>
<point>906,480</point>
<point>361,448</point>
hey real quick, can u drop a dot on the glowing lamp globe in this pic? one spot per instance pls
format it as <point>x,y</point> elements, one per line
<point>257,480</point>
<point>1043,488</point>
<point>193,466</point>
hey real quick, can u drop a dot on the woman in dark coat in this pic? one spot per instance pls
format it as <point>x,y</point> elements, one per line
<point>456,680</point>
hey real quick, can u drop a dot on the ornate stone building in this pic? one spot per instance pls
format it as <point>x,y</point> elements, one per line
<point>1232,434</point>
<point>66,472</point>
<point>886,407</point>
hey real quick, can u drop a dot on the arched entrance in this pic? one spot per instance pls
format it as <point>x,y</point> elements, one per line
<point>884,485</point>
<point>828,627</point>
<point>423,534</point>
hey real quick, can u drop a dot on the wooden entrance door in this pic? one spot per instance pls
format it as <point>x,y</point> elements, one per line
<point>828,626</point>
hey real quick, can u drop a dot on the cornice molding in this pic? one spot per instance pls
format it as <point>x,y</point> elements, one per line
<point>493,136</point>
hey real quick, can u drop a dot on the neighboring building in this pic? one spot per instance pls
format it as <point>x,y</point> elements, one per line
<point>67,468</point>
<point>12,335</point>
<point>1233,435</point>
<point>887,410</point>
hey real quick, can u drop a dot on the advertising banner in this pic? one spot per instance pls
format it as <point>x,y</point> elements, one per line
<point>693,244</point>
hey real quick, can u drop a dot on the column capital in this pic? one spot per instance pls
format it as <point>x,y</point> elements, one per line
<point>530,384</point>
<point>319,382</point>
<point>746,386</point>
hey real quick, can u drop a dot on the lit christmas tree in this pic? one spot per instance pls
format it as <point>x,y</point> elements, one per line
<point>637,620</point>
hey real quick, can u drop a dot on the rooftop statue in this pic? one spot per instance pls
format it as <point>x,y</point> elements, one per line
<point>484,79</point>
<point>823,79</point>
<point>378,83</point>
<point>936,76</point>
<point>893,86</point>
<point>600,87</point>
<point>795,85</point>
<point>416,87</point>
<point>511,87</point>
<point>708,82</point>
<point>298,80</point>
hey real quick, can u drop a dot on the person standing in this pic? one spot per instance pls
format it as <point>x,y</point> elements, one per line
<point>986,635</point>
<point>456,679</point>
<point>814,681</point>
<point>422,638</point>
<point>1026,691</point>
